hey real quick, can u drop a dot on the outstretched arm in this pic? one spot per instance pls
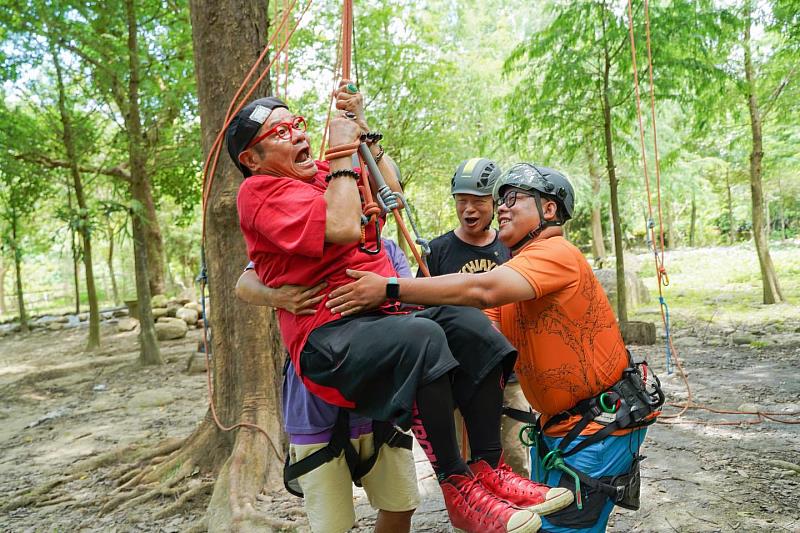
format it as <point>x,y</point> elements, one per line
<point>500,286</point>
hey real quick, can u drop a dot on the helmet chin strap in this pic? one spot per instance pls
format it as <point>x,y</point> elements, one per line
<point>531,235</point>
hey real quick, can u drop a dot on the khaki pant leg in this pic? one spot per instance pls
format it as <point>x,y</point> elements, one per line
<point>515,454</point>
<point>327,490</point>
<point>391,484</point>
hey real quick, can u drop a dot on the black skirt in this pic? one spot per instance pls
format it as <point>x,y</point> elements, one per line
<point>379,361</point>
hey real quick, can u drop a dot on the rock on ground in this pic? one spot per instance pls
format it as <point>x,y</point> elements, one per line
<point>170,328</point>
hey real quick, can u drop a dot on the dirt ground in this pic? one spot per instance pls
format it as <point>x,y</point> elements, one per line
<point>59,405</point>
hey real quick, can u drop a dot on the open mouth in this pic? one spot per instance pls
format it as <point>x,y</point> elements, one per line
<point>502,221</point>
<point>303,156</point>
<point>471,221</point>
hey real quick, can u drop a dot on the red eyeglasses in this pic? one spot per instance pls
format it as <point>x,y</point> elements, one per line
<point>283,130</point>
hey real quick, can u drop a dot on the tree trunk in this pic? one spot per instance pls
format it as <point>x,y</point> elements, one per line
<point>149,353</point>
<point>152,231</point>
<point>598,245</point>
<point>731,228</point>
<point>692,227</point>
<point>83,210</point>
<point>23,316</point>
<point>622,306</point>
<point>781,211</point>
<point>670,216</point>
<point>3,272</point>
<point>247,354</point>
<point>769,279</point>
<point>74,249</point>
<point>110,263</point>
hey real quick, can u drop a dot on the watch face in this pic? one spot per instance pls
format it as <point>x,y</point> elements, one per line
<point>392,290</point>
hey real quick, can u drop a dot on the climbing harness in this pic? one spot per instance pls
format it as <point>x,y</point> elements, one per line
<point>384,434</point>
<point>633,402</point>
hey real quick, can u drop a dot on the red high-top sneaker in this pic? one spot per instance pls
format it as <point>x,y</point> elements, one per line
<point>520,491</point>
<point>473,509</point>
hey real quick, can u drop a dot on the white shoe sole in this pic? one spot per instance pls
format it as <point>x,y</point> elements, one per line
<point>557,499</point>
<point>532,525</point>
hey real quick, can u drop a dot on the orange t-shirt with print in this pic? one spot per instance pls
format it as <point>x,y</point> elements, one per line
<point>570,346</point>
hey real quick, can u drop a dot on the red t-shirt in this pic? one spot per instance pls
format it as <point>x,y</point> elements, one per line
<point>283,222</point>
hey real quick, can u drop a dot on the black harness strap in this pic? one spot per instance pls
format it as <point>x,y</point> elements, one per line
<point>384,433</point>
<point>526,417</point>
<point>340,442</point>
<point>631,405</point>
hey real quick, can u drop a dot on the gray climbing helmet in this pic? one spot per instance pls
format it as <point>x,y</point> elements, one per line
<point>544,180</point>
<point>475,176</point>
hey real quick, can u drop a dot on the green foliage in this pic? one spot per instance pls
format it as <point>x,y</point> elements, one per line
<point>444,81</point>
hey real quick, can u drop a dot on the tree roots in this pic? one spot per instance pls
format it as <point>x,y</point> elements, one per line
<point>180,470</point>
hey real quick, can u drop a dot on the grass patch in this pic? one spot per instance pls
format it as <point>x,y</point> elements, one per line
<point>722,285</point>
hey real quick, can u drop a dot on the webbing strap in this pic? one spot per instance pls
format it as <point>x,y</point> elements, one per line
<point>340,441</point>
<point>383,432</point>
<point>526,417</point>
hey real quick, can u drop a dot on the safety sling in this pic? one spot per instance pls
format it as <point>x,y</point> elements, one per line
<point>628,404</point>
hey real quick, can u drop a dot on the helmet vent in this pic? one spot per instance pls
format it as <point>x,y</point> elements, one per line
<point>487,171</point>
<point>483,182</point>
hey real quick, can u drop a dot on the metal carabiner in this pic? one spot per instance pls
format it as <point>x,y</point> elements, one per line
<point>377,250</point>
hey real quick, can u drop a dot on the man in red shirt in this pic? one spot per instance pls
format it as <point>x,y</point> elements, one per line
<point>301,220</point>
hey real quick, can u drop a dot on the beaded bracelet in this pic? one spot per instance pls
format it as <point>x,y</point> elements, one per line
<point>339,173</point>
<point>371,137</point>
<point>380,154</point>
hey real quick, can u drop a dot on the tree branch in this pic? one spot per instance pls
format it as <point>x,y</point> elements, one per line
<point>117,172</point>
<point>777,92</point>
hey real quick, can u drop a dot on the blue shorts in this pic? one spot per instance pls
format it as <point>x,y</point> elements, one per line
<point>611,456</point>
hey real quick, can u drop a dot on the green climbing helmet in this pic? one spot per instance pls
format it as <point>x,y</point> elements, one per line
<point>475,176</point>
<point>544,180</point>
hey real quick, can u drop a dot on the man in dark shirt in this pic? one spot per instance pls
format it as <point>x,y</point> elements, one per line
<point>473,247</point>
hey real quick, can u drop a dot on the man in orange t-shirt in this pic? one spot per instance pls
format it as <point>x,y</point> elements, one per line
<point>572,359</point>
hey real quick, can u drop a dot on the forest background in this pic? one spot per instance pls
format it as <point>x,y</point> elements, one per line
<point>109,110</point>
<point>444,80</point>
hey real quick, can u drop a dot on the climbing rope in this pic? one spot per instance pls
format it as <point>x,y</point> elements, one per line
<point>209,169</point>
<point>372,210</point>
<point>658,252</point>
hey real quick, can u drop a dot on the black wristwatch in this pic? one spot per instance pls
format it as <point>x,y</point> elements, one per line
<point>392,289</point>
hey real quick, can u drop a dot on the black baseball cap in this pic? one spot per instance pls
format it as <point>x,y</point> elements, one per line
<point>245,125</point>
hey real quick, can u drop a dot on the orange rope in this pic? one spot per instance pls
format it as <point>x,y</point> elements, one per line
<point>347,37</point>
<point>333,92</point>
<point>209,169</point>
<point>210,166</point>
<point>346,41</point>
<point>286,57</point>
<point>661,273</point>
<point>277,82</point>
